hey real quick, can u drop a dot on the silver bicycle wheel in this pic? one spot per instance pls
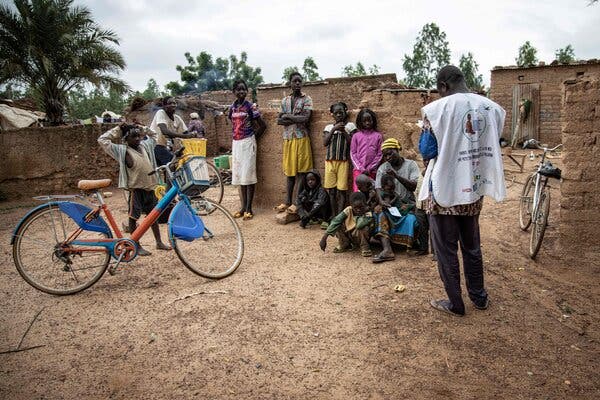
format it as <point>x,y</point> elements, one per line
<point>50,263</point>
<point>525,203</point>
<point>220,250</point>
<point>540,221</point>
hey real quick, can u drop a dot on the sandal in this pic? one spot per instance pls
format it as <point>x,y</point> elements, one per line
<point>444,306</point>
<point>239,214</point>
<point>379,258</point>
<point>280,208</point>
<point>292,209</point>
<point>247,216</point>
<point>366,253</point>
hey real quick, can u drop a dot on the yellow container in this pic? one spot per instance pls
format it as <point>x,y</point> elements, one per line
<point>194,147</point>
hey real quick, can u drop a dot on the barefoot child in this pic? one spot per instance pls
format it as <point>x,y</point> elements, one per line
<point>247,126</point>
<point>366,186</point>
<point>136,161</point>
<point>365,147</point>
<point>312,201</point>
<point>337,138</point>
<point>352,227</point>
<point>296,110</point>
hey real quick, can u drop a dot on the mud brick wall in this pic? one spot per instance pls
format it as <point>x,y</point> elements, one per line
<point>580,189</point>
<point>35,161</point>
<point>271,180</point>
<point>550,78</point>
<point>328,91</point>
<point>404,102</point>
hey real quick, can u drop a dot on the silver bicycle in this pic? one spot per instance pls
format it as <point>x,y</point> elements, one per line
<point>534,205</point>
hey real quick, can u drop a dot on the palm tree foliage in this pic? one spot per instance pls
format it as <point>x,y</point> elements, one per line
<point>52,46</point>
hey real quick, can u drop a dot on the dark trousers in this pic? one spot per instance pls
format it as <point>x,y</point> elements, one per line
<point>446,231</point>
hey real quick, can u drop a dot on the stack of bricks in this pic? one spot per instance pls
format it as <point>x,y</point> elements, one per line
<point>580,189</point>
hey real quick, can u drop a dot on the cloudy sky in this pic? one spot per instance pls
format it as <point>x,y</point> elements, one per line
<point>276,34</point>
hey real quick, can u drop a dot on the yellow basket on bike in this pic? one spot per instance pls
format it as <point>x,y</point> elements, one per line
<point>192,176</point>
<point>194,147</point>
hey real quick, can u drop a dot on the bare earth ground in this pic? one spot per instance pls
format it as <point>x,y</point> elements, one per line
<point>298,323</point>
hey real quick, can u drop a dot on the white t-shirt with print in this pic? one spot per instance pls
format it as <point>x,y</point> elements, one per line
<point>469,165</point>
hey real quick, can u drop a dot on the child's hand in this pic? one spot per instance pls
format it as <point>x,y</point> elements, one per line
<point>323,242</point>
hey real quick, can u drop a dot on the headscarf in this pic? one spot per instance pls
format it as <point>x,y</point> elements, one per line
<point>391,143</point>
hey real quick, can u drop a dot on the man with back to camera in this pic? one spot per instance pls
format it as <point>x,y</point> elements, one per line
<point>466,166</point>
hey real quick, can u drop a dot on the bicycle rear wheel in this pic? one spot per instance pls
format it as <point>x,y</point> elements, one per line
<point>540,221</point>
<point>525,203</point>
<point>220,250</point>
<point>51,264</point>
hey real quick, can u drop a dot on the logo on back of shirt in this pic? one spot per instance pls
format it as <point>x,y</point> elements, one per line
<point>474,123</point>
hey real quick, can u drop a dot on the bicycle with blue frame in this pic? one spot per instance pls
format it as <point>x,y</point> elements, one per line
<point>65,245</point>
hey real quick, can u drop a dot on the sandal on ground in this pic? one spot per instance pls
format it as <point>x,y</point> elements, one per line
<point>247,216</point>
<point>280,208</point>
<point>324,225</point>
<point>238,214</point>
<point>338,249</point>
<point>483,306</point>
<point>292,209</point>
<point>444,306</point>
<point>366,253</point>
<point>379,259</point>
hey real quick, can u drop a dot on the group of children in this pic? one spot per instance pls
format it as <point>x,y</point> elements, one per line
<point>349,147</point>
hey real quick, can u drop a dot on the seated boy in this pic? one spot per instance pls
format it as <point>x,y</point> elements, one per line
<point>312,201</point>
<point>352,227</point>
<point>136,161</point>
<point>366,186</point>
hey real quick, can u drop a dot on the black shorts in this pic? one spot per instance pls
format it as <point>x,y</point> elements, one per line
<point>162,155</point>
<point>141,201</point>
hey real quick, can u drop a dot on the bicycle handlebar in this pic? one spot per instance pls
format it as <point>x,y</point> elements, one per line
<point>537,145</point>
<point>167,166</point>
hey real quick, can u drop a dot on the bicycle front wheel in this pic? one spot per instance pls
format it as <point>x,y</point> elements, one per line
<point>525,203</point>
<point>218,253</point>
<point>48,261</point>
<point>540,221</point>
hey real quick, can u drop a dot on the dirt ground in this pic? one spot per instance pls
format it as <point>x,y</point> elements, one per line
<point>298,323</point>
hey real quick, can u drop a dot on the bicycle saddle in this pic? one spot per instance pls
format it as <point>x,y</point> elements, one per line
<point>550,170</point>
<point>93,184</point>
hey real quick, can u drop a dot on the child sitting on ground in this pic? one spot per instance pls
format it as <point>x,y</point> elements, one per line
<point>366,186</point>
<point>136,161</point>
<point>312,202</point>
<point>388,197</point>
<point>337,138</point>
<point>365,146</point>
<point>351,227</point>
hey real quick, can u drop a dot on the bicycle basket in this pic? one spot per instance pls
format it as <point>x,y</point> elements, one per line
<point>194,147</point>
<point>192,176</point>
<point>550,171</point>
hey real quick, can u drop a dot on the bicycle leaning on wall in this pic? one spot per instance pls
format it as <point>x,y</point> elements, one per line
<point>64,246</point>
<point>534,204</point>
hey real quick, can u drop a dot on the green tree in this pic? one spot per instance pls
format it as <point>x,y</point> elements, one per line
<point>565,55</point>
<point>83,104</point>
<point>203,74</point>
<point>359,70</point>
<point>469,67</point>
<point>527,55</point>
<point>309,71</point>
<point>430,53</point>
<point>151,92</point>
<point>52,46</point>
